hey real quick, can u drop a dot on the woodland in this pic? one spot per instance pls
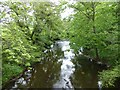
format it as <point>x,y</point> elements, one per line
<point>29,28</point>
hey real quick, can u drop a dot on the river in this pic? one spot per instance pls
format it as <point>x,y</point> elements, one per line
<point>61,68</point>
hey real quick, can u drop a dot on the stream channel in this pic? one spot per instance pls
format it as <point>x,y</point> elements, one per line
<point>61,68</point>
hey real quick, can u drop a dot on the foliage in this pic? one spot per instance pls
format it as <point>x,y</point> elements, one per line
<point>95,28</point>
<point>27,30</point>
<point>16,44</point>
<point>10,70</point>
<point>109,77</point>
<point>47,22</point>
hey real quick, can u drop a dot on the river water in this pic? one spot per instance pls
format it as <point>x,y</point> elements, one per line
<point>61,68</point>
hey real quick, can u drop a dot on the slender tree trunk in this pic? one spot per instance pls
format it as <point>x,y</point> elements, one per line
<point>94,29</point>
<point>118,17</point>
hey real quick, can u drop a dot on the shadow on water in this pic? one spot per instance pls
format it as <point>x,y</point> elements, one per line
<point>59,68</point>
<point>44,75</point>
<point>86,73</point>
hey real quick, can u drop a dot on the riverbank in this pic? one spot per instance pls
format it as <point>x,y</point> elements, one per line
<point>59,65</point>
<point>10,72</point>
<point>59,68</point>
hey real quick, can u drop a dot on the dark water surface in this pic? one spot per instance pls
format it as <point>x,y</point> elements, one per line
<point>61,68</point>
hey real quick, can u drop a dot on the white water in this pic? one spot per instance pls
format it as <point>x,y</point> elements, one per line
<point>100,85</point>
<point>67,67</point>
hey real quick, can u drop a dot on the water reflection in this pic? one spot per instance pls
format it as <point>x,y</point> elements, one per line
<point>44,75</point>
<point>67,67</point>
<point>86,73</point>
<point>60,68</point>
<point>23,81</point>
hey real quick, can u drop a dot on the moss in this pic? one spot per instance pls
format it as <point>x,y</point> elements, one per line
<point>9,71</point>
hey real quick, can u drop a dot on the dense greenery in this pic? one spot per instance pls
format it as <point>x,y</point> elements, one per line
<point>29,28</point>
<point>95,28</point>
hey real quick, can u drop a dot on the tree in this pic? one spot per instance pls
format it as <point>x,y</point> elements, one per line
<point>47,21</point>
<point>27,30</point>
<point>94,27</point>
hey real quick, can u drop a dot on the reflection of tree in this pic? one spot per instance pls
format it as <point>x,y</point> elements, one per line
<point>45,74</point>
<point>85,75</point>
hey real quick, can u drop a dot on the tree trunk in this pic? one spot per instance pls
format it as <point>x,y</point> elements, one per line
<point>94,29</point>
<point>118,16</point>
